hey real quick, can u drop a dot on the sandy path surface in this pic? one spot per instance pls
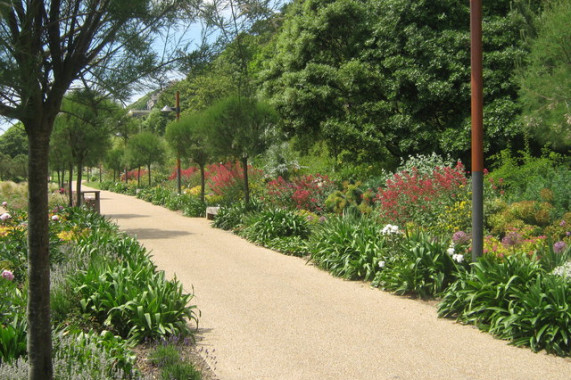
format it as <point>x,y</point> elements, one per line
<point>270,316</point>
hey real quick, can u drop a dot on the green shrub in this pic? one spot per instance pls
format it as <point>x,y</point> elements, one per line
<point>86,356</point>
<point>513,298</point>
<point>276,223</point>
<point>193,206</point>
<point>421,267</point>
<point>230,218</point>
<point>349,246</point>
<point>527,178</point>
<point>135,300</point>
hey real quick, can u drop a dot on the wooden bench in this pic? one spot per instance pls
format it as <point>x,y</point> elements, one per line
<point>211,212</point>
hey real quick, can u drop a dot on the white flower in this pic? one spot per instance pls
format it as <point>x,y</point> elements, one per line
<point>458,258</point>
<point>4,217</point>
<point>55,218</point>
<point>450,251</point>
<point>381,264</point>
<point>390,229</point>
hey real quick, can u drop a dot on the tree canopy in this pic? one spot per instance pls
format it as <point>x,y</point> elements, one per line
<point>45,48</point>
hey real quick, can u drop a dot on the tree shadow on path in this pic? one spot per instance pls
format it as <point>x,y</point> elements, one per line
<point>154,233</point>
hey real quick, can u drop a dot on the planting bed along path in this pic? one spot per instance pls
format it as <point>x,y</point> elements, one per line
<point>270,316</point>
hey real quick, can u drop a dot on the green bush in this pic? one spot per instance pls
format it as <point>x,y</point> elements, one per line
<point>421,267</point>
<point>231,218</point>
<point>86,356</point>
<point>513,298</point>
<point>134,300</point>
<point>276,223</point>
<point>527,178</point>
<point>193,207</point>
<point>349,246</point>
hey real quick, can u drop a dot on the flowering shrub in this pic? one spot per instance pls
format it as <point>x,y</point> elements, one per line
<point>305,193</point>
<point>134,174</point>
<point>419,197</point>
<point>185,174</point>
<point>227,180</point>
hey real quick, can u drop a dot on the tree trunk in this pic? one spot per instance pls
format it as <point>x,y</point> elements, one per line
<point>149,167</point>
<point>202,183</point>
<point>246,185</point>
<point>39,324</point>
<point>139,176</point>
<point>78,184</point>
<point>100,173</point>
<point>70,185</point>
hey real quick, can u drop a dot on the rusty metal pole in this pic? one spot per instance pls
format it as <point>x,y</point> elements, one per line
<point>178,170</point>
<point>477,129</point>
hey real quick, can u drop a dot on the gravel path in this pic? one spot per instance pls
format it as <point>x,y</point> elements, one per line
<point>270,316</point>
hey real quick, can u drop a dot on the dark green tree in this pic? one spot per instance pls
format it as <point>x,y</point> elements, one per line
<point>187,137</point>
<point>85,129</point>
<point>145,149</point>
<point>114,160</point>
<point>14,141</point>
<point>239,128</point>
<point>45,47</point>
<point>392,78</point>
<point>546,80</point>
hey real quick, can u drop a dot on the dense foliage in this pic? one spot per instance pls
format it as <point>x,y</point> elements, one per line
<point>107,296</point>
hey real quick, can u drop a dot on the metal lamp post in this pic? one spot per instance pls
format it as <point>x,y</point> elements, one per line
<point>477,129</point>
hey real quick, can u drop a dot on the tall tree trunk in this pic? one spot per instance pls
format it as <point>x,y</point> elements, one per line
<point>70,185</point>
<point>202,183</point>
<point>39,324</point>
<point>246,184</point>
<point>149,167</point>
<point>78,183</point>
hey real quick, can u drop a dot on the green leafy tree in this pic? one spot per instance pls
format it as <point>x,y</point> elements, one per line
<point>240,128</point>
<point>146,149</point>
<point>114,160</point>
<point>85,130</point>
<point>391,79</point>
<point>14,141</point>
<point>316,80</point>
<point>45,47</point>
<point>546,80</point>
<point>187,137</point>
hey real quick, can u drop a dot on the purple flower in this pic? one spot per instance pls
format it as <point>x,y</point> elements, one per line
<point>460,237</point>
<point>7,275</point>
<point>562,223</point>
<point>512,239</point>
<point>559,247</point>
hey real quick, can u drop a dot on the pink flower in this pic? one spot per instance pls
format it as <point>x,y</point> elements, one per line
<point>55,218</point>
<point>4,204</point>
<point>4,217</point>
<point>7,275</point>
